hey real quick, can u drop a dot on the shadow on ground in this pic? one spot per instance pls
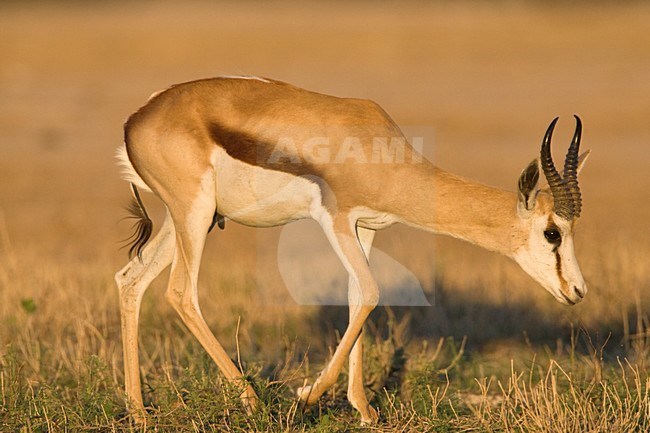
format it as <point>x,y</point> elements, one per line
<point>484,325</point>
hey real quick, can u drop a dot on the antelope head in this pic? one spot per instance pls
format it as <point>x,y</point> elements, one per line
<point>546,218</point>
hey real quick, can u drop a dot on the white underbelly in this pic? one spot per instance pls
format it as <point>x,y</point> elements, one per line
<point>260,197</point>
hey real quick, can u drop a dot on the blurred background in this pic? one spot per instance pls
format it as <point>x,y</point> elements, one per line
<point>487,78</point>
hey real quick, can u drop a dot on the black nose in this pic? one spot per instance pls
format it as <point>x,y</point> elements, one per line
<point>580,293</point>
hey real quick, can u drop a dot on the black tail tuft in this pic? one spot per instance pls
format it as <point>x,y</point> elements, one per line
<point>142,228</point>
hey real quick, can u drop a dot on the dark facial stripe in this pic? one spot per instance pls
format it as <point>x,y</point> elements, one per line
<point>564,286</point>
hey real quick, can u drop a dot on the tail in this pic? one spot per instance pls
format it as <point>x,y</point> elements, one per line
<point>143,226</point>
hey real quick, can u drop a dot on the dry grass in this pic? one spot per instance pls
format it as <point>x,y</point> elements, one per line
<point>485,79</point>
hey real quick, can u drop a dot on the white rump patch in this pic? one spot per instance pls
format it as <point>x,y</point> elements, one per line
<point>128,172</point>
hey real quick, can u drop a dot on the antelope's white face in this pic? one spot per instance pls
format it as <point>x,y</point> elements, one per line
<point>547,255</point>
<point>543,238</point>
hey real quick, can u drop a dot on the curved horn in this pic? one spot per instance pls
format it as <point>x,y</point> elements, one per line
<point>571,169</point>
<point>562,198</point>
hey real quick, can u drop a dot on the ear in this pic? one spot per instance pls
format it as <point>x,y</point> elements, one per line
<point>527,191</point>
<point>582,158</point>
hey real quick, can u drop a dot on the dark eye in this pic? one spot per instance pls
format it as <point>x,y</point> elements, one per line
<point>553,236</point>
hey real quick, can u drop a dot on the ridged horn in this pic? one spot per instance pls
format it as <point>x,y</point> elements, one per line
<point>563,200</point>
<point>570,175</point>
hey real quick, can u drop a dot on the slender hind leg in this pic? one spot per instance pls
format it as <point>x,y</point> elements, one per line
<point>356,393</point>
<point>192,221</point>
<point>132,281</point>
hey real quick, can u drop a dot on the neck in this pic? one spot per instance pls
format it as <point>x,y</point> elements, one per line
<point>443,203</point>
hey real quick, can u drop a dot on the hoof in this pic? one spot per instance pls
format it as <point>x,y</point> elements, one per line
<point>370,416</point>
<point>138,417</point>
<point>249,400</point>
<point>303,392</point>
<point>305,395</point>
<point>137,412</point>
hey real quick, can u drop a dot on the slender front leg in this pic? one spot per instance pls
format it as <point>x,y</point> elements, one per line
<point>132,281</point>
<point>356,393</point>
<point>341,234</point>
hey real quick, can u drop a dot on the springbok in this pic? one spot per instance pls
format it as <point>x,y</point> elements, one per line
<point>264,153</point>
